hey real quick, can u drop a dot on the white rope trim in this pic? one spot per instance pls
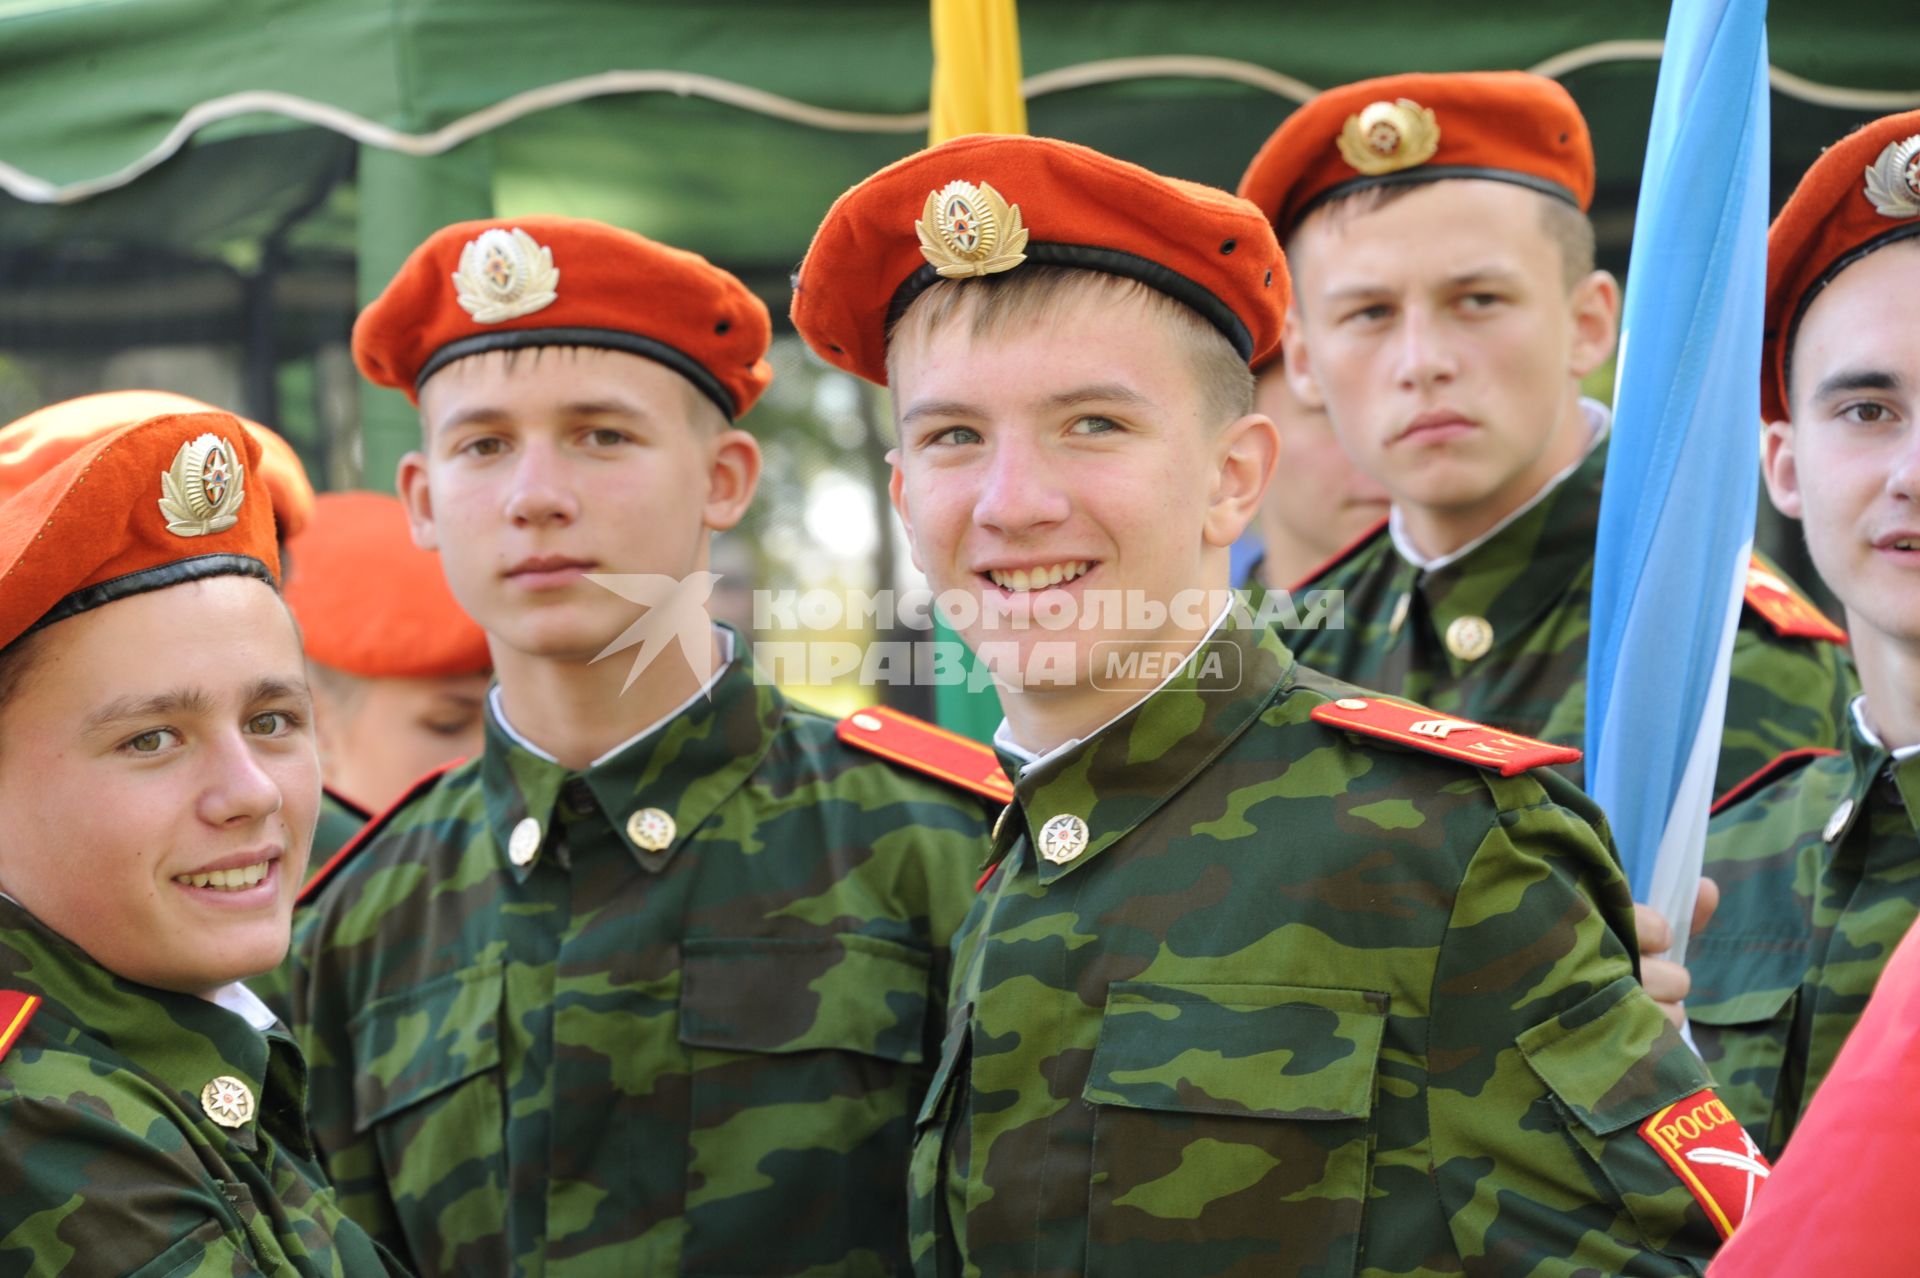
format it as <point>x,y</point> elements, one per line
<point>25,186</point>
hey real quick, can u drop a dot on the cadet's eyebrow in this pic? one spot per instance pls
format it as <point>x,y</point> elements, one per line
<point>189,701</point>
<point>1848,380</point>
<point>941,408</point>
<point>1101,392</point>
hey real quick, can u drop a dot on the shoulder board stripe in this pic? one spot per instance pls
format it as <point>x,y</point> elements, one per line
<point>1422,729</point>
<point>1340,556</point>
<point>928,748</point>
<point>1787,610</point>
<point>16,1009</point>
<point>319,877</point>
<point>1772,771</point>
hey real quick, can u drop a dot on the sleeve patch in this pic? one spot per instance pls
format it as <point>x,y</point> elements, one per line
<point>1507,752</point>
<point>1710,1152</point>
<point>16,1009</point>
<point>928,748</point>
<point>1787,610</point>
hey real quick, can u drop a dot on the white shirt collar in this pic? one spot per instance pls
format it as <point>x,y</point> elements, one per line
<point>1599,422</point>
<point>245,1004</point>
<point>1872,738</point>
<point>1003,735</point>
<point>726,659</point>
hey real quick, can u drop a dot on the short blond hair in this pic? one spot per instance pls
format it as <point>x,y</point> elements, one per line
<point>995,305</point>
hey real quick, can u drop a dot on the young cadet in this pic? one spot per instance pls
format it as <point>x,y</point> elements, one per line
<point>1446,306</point>
<point>1319,502</point>
<point>399,673</point>
<point>157,790</point>
<point>1816,857</point>
<point>653,985</point>
<point>1267,974</point>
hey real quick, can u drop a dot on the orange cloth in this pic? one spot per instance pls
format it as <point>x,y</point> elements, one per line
<point>95,525</point>
<point>1510,126</point>
<point>1076,206</point>
<point>563,281</point>
<point>1830,222</point>
<point>1839,1201</point>
<point>46,435</point>
<point>370,602</point>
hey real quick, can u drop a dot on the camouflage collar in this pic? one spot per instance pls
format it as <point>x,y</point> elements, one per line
<point>1872,763</point>
<point>179,1042</point>
<point>680,772</point>
<point>1120,776</point>
<point>1518,575</point>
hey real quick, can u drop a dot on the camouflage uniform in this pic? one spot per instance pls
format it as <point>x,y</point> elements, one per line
<point>542,1047</point>
<point>1532,582</point>
<point>339,822</point>
<point>109,1163</point>
<point>1306,1004</point>
<point>1819,881</point>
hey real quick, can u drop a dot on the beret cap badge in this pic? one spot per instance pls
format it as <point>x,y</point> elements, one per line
<point>201,493</point>
<point>1893,180</point>
<point>505,274</point>
<point>968,230</point>
<point>1386,137</point>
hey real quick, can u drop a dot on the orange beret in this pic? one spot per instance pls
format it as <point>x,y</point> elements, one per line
<point>43,437</point>
<point>370,602</point>
<point>979,205</point>
<point>563,281</point>
<point>1863,193</point>
<point>1509,126</point>
<point>167,500</point>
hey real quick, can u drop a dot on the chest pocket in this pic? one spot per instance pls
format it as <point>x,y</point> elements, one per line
<point>1237,1112</point>
<point>808,1058</point>
<point>1744,1040</point>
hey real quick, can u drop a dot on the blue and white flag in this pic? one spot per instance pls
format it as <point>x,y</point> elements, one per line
<point>1677,508</point>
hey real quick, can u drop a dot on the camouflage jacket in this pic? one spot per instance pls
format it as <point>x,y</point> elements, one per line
<point>1819,874</point>
<point>1529,588</point>
<point>672,1014</point>
<point>1304,1002</point>
<point>339,822</point>
<point>111,1162</point>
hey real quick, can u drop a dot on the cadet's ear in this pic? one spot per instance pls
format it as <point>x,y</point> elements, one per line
<point>896,492</point>
<point>733,474</point>
<point>1246,453</point>
<point>1596,321</point>
<point>1298,361</point>
<point>1778,465</point>
<point>411,480</point>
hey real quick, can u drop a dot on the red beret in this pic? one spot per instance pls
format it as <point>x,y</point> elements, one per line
<point>370,602</point>
<point>145,507</point>
<point>1861,194</point>
<point>47,435</point>
<point>1510,126</point>
<point>563,281</point>
<point>984,204</point>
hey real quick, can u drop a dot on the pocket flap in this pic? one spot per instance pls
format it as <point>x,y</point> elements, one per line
<point>845,993</point>
<point>1754,1007</point>
<point>1613,1058</point>
<point>410,1046</point>
<point>1271,1051</point>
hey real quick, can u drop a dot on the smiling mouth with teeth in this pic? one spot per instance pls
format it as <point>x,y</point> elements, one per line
<point>227,880</point>
<point>1022,579</point>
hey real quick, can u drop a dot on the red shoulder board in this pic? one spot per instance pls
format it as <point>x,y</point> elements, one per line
<point>1786,609</point>
<point>1423,729</point>
<point>1791,761</point>
<point>1340,556</point>
<point>319,877</point>
<point>929,748</point>
<point>16,1009</point>
<point>1711,1154</point>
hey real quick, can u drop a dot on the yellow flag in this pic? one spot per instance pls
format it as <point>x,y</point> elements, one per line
<point>976,69</point>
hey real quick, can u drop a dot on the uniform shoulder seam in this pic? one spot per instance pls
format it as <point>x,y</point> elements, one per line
<point>321,877</point>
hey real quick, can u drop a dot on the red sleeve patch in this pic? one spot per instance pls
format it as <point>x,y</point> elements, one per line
<point>16,1009</point>
<point>1786,609</point>
<point>1711,1154</point>
<point>928,748</point>
<point>1416,726</point>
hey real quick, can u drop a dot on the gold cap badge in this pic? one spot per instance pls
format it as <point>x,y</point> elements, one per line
<point>504,275</point>
<point>202,490</point>
<point>1893,180</point>
<point>970,230</point>
<point>1389,136</point>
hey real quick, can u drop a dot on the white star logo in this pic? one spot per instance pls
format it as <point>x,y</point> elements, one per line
<point>676,610</point>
